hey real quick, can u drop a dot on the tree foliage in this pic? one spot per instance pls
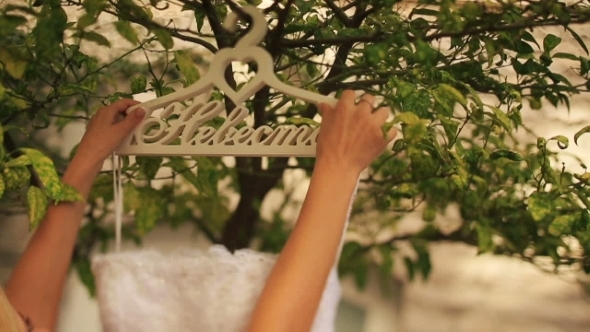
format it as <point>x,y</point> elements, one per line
<point>456,74</point>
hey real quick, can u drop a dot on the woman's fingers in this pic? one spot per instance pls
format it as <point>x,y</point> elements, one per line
<point>118,109</point>
<point>121,106</point>
<point>381,114</point>
<point>131,120</point>
<point>347,101</point>
<point>366,103</point>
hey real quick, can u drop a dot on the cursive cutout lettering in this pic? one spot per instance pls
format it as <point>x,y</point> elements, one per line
<point>185,130</point>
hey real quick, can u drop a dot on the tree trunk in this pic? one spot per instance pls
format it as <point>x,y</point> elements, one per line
<point>240,227</point>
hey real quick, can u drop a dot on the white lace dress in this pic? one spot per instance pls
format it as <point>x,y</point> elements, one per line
<point>190,290</point>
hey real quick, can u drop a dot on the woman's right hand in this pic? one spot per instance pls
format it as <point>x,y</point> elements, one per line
<point>351,134</point>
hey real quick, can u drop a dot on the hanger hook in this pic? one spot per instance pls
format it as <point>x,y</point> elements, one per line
<point>257,30</point>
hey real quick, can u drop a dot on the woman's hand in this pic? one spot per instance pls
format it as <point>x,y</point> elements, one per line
<point>351,134</point>
<point>37,281</point>
<point>105,132</point>
<point>350,138</point>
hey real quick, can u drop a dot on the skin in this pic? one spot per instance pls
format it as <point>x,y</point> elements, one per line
<point>349,140</point>
<point>36,284</point>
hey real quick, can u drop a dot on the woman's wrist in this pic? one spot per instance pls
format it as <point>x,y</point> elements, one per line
<point>337,170</point>
<point>335,177</point>
<point>81,174</point>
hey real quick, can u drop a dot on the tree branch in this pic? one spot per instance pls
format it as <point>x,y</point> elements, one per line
<point>338,12</point>
<point>335,41</point>
<point>216,24</point>
<point>273,7</point>
<point>174,33</point>
<point>275,42</point>
<point>379,37</point>
<point>456,236</point>
<point>210,47</point>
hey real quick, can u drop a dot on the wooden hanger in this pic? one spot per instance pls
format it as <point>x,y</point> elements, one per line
<point>154,135</point>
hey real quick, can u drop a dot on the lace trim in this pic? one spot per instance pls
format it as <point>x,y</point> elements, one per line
<point>190,290</point>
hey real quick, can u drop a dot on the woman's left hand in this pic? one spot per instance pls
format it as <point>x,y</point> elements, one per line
<point>105,132</point>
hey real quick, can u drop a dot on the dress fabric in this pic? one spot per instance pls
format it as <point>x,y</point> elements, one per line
<point>192,290</point>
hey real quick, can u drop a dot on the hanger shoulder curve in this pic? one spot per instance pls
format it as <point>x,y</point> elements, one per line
<point>269,78</point>
<point>184,94</point>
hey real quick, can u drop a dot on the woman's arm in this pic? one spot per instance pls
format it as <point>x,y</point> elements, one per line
<point>350,138</point>
<point>36,284</point>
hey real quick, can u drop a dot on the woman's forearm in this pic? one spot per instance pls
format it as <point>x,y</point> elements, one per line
<point>36,284</point>
<point>298,279</point>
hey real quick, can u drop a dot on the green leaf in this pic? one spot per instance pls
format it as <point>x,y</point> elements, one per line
<point>86,20</point>
<point>312,69</point>
<point>16,177</point>
<point>562,141</point>
<point>540,205</point>
<point>2,187</point>
<point>429,213</point>
<point>568,56</point>
<point>414,133</point>
<point>562,225</point>
<point>523,48</point>
<point>550,42</point>
<point>103,188</point>
<point>578,39</point>
<point>20,161</point>
<point>84,269</point>
<point>424,11</point>
<point>151,210</point>
<point>132,199</point>
<point>37,206</point>
<point>164,38</point>
<point>200,16</point>
<point>180,166</point>
<point>125,29</point>
<point>423,262</point>
<point>485,241</point>
<point>301,121</point>
<point>473,93</point>
<point>96,38</point>
<point>12,63</point>
<point>510,155</point>
<point>149,165</point>
<point>45,169</point>
<point>580,133</point>
<point>418,102</point>
<point>502,118</point>
<point>453,94</point>
<point>68,193</point>
<point>398,145</point>
<point>186,66</point>
<point>361,275</point>
<point>350,250</point>
<point>138,84</point>
<point>387,264</point>
<point>207,177</point>
<point>408,118</point>
<point>410,268</point>
<point>461,181</point>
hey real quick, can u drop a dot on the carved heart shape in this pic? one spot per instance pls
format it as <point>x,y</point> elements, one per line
<point>225,57</point>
